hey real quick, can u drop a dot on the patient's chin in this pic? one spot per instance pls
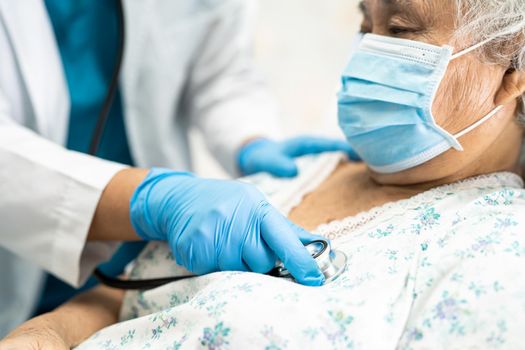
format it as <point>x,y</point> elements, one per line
<point>448,167</point>
<point>402,178</point>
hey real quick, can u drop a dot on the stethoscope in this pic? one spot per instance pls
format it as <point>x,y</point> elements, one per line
<point>331,262</point>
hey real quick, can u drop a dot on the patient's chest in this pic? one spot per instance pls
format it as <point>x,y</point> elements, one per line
<point>413,278</point>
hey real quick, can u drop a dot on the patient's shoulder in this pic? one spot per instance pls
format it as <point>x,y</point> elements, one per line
<point>498,203</point>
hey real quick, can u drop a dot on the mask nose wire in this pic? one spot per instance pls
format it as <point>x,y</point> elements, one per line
<point>470,49</point>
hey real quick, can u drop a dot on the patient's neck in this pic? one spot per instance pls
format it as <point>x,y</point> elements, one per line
<point>348,191</point>
<point>351,189</point>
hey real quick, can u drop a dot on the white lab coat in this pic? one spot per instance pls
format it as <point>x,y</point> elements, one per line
<point>187,63</point>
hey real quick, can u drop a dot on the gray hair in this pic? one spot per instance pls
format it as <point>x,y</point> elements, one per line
<point>501,21</point>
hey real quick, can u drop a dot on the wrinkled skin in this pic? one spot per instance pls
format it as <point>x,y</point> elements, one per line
<point>34,338</point>
<point>470,90</point>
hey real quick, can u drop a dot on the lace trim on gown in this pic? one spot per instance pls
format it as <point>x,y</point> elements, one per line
<point>337,229</point>
<point>316,169</point>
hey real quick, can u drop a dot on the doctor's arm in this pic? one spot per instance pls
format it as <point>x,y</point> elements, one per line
<point>55,200</point>
<point>49,197</point>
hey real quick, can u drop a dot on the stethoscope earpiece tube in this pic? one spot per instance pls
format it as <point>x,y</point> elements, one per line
<point>101,125</point>
<point>113,85</point>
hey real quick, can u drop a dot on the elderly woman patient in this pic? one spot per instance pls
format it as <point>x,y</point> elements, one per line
<point>432,220</point>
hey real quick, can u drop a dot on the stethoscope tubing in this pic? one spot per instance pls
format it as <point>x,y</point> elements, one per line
<point>145,284</point>
<point>104,114</point>
<point>113,85</point>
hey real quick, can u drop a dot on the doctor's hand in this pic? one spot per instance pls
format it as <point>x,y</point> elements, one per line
<point>216,225</point>
<point>277,158</point>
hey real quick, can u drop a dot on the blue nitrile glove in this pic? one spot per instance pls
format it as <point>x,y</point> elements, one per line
<point>214,225</point>
<point>277,158</point>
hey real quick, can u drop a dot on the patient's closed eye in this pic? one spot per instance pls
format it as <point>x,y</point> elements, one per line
<point>397,30</point>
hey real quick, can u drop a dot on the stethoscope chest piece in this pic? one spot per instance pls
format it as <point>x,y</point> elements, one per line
<point>332,263</point>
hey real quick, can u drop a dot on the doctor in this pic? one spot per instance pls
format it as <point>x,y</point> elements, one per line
<point>186,64</point>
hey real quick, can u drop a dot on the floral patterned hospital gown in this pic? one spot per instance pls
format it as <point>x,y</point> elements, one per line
<point>442,270</point>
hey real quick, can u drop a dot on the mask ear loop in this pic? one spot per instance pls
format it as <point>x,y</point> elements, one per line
<point>491,114</point>
<point>479,122</point>
<point>470,49</point>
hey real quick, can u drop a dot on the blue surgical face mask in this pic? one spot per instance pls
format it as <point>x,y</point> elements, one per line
<point>385,104</point>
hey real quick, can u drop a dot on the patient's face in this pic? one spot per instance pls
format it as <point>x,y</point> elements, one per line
<point>466,94</point>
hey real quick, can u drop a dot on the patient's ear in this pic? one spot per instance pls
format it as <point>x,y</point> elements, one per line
<point>512,87</point>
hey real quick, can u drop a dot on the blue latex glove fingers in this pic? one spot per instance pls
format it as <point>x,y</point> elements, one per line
<point>283,239</point>
<point>266,156</point>
<point>230,249</point>
<point>277,158</point>
<point>197,250</point>
<point>304,145</point>
<point>278,165</point>
<point>306,237</point>
<point>257,255</point>
<point>188,248</point>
